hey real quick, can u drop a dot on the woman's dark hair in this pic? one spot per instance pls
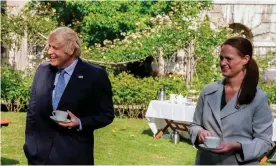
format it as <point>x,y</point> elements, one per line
<point>248,88</point>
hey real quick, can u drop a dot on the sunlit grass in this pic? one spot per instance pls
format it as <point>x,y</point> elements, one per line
<point>125,141</point>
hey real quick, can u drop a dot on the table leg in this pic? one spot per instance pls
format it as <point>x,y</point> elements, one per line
<point>185,126</point>
<point>265,158</point>
<point>158,135</point>
<point>164,129</point>
<point>170,124</point>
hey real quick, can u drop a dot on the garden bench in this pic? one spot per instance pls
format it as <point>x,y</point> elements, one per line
<point>4,122</point>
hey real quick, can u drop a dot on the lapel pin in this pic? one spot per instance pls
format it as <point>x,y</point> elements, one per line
<point>80,77</point>
<point>237,107</point>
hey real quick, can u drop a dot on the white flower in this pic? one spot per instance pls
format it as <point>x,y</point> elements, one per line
<point>123,33</point>
<point>192,28</point>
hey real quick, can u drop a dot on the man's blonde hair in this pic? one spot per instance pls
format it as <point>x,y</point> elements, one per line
<point>69,38</point>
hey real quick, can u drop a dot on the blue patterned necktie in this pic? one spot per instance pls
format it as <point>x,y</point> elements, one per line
<point>59,88</point>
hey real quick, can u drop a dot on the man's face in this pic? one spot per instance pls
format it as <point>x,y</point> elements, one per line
<point>57,55</point>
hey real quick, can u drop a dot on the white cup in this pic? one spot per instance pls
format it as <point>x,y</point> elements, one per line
<point>60,115</point>
<point>212,142</point>
<point>190,100</point>
<point>172,98</point>
<point>180,99</point>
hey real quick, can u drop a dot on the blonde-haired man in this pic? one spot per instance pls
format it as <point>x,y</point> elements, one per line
<point>68,84</point>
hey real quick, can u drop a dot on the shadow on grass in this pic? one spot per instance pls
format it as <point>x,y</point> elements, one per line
<point>186,140</point>
<point>182,139</point>
<point>148,132</point>
<point>7,161</point>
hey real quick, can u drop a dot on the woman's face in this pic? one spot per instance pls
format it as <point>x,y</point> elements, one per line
<point>231,63</point>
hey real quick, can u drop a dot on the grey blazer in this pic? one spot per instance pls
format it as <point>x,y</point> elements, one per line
<point>250,125</point>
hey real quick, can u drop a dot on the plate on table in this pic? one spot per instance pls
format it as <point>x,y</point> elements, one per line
<point>204,147</point>
<point>54,119</point>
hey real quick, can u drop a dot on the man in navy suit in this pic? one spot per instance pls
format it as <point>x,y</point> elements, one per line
<point>86,95</point>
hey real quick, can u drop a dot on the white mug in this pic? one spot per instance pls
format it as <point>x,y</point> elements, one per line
<point>60,115</point>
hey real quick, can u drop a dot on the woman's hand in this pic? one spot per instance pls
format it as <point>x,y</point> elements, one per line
<point>227,147</point>
<point>202,134</point>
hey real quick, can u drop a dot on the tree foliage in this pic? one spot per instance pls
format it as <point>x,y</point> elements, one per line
<point>15,88</point>
<point>170,32</point>
<point>115,31</point>
<point>25,23</point>
<point>101,20</point>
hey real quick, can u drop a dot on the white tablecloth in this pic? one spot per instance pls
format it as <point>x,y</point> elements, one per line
<point>158,111</point>
<point>274,130</point>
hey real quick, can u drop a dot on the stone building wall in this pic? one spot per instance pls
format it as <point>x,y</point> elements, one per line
<point>256,18</point>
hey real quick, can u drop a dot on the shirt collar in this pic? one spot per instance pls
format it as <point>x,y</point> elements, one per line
<point>69,70</point>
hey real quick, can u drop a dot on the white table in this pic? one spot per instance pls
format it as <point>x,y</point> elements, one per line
<point>274,130</point>
<point>165,115</point>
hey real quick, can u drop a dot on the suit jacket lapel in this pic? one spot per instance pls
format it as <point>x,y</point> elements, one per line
<point>50,81</point>
<point>214,101</point>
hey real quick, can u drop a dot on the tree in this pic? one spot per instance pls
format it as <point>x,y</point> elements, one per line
<point>133,30</point>
<point>26,24</point>
<point>101,20</point>
<point>169,33</point>
<point>26,21</point>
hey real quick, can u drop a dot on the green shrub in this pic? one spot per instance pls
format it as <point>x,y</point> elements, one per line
<point>131,95</point>
<point>130,90</point>
<point>270,88</point>
<point>15,88</point>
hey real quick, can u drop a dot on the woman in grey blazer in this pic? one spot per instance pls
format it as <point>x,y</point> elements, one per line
<point>234,109</point>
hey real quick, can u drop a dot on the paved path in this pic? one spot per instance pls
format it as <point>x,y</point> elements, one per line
<point>270,74</point>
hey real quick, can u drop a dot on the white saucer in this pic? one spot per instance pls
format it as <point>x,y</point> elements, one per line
<point>204,147</point>
<point>54,119</point>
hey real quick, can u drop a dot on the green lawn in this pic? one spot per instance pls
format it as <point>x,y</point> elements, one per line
<point>125,141</point>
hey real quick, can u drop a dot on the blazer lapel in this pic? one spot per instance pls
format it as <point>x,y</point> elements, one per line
<point>231,107</point>
<point>214,101</point>
<point>50,81</point>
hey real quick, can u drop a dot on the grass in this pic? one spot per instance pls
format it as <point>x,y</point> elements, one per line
<point>125,141</point>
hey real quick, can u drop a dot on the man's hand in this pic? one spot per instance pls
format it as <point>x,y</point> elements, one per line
<point>74,121</point>
<point>202,134</point>
<point>228,147</point>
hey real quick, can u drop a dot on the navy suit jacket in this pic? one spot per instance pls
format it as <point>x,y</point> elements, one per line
<point>88,95</point>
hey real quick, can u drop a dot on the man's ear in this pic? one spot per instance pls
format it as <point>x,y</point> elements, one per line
<point>245,59</point>
<point>71,49</point>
